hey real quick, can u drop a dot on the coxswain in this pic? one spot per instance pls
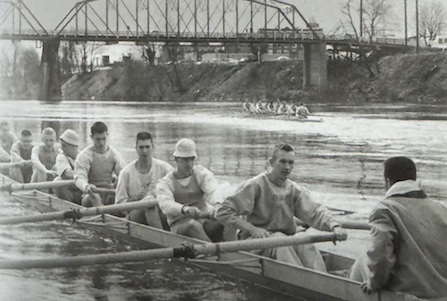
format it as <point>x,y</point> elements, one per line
<point>406,251</point>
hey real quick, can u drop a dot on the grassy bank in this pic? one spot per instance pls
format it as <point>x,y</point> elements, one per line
<point>405,77</point>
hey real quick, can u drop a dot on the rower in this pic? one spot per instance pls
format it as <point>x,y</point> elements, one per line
<point>301,111</point>
<point>137,181</point>
<point>7,138</point>
<point>44,156</point>
<point>97,166</point>
<point>65,162</point>
<point>408,236</point>
<point>265,206</point>
<point>187,194</point>
<point>21,153</point>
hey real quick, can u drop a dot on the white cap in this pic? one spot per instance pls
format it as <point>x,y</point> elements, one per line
<point>70,137</point>
<point>185,148</point>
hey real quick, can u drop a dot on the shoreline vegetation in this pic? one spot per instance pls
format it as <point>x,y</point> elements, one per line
<point>408,78</point>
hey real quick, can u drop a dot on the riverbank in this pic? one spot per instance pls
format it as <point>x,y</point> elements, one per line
<point>408,78</point>
<point>398,78</point>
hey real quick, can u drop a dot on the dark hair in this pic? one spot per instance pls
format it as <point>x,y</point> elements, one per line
<point>399,169</point>
<point>26,133</point>
<point>144,136</point>
<point>282,147</point>
<point>98,127</point>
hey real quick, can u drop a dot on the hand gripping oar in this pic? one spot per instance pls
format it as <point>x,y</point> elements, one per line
<point>38,185</point>
<point>78,213</point>
<point>187,251</point>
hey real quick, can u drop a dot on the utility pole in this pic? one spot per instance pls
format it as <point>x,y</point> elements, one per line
<point>417,26</point>
<point>361,18</point>
<point>406,22</point>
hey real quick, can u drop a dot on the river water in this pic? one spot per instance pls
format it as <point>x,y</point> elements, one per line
<point>339,159</point>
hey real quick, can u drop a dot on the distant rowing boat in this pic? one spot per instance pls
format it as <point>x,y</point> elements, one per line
<point>283,117</point>
<point>279,277</point>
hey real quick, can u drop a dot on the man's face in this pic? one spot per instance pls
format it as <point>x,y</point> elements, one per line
<point>144,148</point>
<point>27,141</point>
<point>282,165</point>
<point>185,165</point>
<point>49,140</point>
<point>99,140</point>
<point>68,148</point>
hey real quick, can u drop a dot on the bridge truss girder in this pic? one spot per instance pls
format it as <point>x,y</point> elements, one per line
<point>177,20</point>
<point>20,19</point>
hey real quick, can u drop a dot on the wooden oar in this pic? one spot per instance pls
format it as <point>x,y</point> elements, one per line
<point>354,225</point>
<point>47,185</point>
<point>182,252</point>
<point>7,165</point>
<point>38,185</point>
<point>77,213</point>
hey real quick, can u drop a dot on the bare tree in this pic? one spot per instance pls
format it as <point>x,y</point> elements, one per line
<point>376,13</point>
<point>432,19</point>
<point>349,10</point>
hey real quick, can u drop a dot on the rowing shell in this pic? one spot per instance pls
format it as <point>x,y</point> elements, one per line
<point>277,276</point>
<point>283,117</point>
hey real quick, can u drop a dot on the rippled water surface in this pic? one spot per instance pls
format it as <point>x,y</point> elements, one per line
<point>340,159</point>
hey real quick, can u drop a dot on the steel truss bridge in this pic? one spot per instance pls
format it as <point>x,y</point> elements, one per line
<point>164,21</point>
<point>199,22</point>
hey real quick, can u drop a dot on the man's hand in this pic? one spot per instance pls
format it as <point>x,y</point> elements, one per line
<point>366,287</point>
<point>26,163</point>
<point>340,233</point>
<point>90,189</point>
<point>257,232</point>
<point>191,211</point>
<point>51,174</point>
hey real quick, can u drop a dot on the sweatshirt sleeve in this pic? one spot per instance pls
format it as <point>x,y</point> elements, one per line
<point>15,153</point>
<point>241,203</point>
<point>36,161</point>
<point>208,183</point>
<point>82,168</point>
<point>380,255</point>
<point>312,212</point>
<point>165,197</point>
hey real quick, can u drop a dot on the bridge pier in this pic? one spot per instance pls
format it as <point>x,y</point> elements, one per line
<point>315,67</point>
<point>50,86</point>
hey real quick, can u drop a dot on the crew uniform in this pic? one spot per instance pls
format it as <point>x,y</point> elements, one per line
<point>65,163</point>
<point>43,161</point>
<point>268,206</point>
<point>196,190</point>
<point>407,253</point>
<point>98,169</point>
<point>21,174</point>
<point>135,186</point>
